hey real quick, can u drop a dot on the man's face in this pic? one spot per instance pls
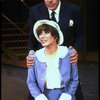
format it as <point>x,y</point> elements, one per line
<point>51,4</point>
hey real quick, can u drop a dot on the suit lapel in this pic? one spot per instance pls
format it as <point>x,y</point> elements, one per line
<point>64,14</point>
<point>44,12</point>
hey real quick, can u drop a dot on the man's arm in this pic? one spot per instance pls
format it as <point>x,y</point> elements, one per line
<point>79,36</point>
<point>78,30</point>
<point>32,42</point>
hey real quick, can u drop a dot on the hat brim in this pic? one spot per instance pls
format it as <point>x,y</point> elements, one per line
<point>53,24</point>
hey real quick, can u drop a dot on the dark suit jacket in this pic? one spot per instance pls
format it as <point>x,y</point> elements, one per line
<point>73,35</point>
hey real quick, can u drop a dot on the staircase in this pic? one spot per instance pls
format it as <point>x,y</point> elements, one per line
<point>14,43</point>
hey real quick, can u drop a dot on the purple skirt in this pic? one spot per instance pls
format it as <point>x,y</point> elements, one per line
<point>53,94</point>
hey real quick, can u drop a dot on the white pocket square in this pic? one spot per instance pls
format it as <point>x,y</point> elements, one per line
<point>71,22</point>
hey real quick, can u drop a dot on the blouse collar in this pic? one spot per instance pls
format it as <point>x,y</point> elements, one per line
<point>61,53</point>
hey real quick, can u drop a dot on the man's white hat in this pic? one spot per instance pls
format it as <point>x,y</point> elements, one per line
<point>53,24</point>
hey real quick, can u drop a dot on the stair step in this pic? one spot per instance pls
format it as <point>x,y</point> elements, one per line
<point>14,34</point>
<point>14,45</point>
<point>8,25</point>
<point>8,29</point>
<point>21,55</point>
<point>11,32</point>
<point>21,52</point>
<point>14,38</point>
<point>13,41</point>
<point>17,48</point>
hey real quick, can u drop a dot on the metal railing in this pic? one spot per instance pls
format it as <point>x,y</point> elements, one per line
<point>11,57</point>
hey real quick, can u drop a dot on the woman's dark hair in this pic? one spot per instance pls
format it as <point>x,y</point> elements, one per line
<point>48,28</point>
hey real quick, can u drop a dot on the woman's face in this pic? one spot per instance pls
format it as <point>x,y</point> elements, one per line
<point>51,4</point>
<point>46,39</point>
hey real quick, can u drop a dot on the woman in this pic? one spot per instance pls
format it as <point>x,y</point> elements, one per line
<point>52,77</point>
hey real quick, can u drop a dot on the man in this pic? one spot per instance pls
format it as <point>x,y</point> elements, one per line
<point>68,16</point>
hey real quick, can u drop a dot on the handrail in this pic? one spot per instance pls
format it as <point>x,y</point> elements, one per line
<point>25,4</point>
<point>13,23</point>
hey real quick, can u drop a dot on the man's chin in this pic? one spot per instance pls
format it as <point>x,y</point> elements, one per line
<point>51,7</point>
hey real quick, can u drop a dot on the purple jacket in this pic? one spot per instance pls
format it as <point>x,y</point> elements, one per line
<point>36,75</point>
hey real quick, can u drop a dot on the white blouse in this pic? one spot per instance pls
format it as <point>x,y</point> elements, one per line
<point>53,78</point>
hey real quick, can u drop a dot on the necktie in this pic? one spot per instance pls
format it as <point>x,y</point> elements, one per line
<point>53,16</point>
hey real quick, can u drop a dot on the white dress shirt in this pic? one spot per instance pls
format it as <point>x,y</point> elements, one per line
<point>57,10</point>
